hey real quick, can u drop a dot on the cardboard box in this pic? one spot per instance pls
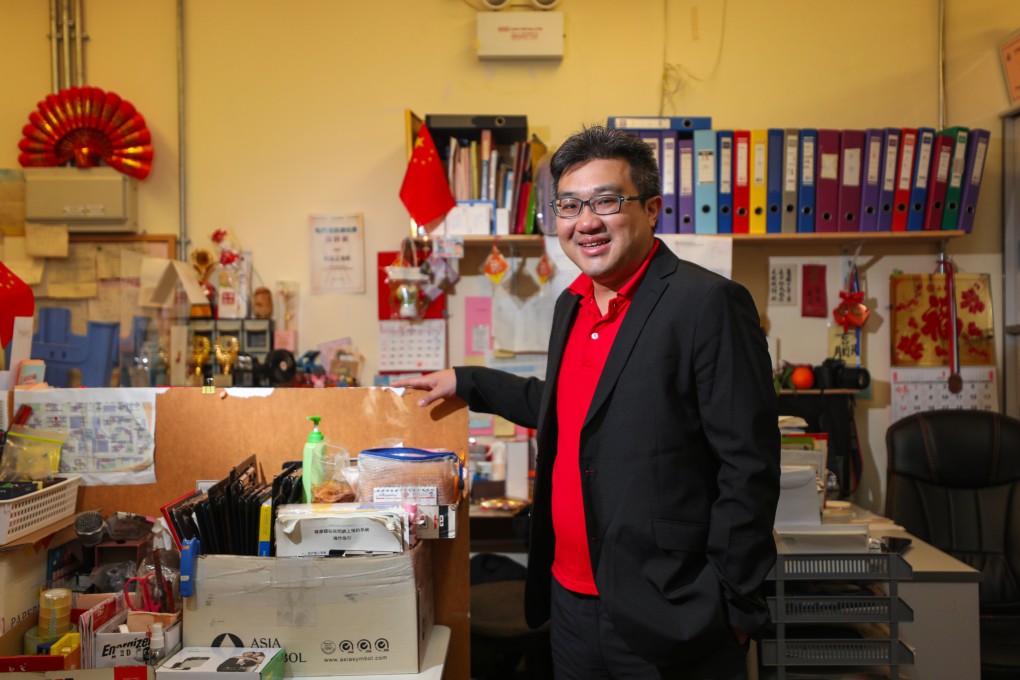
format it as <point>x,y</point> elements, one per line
<point>361,615</point>
<point>23,571</point>
<point>213,663</point>
<point>344,528</point>
<point>113,648</point>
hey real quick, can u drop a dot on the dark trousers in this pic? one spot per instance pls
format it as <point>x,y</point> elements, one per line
<point>585,646</point>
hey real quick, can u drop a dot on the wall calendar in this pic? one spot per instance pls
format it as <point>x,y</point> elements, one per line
<point>926,388</point>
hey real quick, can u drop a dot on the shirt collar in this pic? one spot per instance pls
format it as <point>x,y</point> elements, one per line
<point>584,286</point>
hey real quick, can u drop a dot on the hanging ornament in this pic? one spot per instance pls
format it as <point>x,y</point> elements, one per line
<point>495,265</point>
<point>545,269</point>
<point>87,125</point>
<point>407,282</point>
<point>851,310</point>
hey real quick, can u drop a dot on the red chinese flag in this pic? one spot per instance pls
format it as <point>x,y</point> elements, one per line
<point>425,191</point>
<point>16,299</point>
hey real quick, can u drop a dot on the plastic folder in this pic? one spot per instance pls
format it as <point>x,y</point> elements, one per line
<point>774,183</point>
<point>741,181</point>
<point>806,182</point>
<point>791,154</point>
<point>827,181</point>
<point>919,184</point>
<point>890,158</point>
<point>660,122</point>
<point>954,190</point>
<point>685,188</point>
<point>850,167</point>
<point>938,178</point>
<point>653,138</point>
<point>977,150</point>
<point>668,174</point>
<point>724,180</point>
<point>871,179</point>
<point>705,173</point>
<point>904,175</point>
<point>757,199</point>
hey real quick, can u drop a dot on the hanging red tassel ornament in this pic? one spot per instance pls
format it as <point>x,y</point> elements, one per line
<point>851,310</point>
<point>88,126</point>
<point>495,265</point>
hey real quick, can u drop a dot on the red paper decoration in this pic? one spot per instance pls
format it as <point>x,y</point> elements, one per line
<point>86,125</point>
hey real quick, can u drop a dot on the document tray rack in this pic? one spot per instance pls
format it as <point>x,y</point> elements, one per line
<point>883,610</point>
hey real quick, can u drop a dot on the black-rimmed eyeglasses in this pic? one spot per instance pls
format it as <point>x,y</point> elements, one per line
<point>601,204</point>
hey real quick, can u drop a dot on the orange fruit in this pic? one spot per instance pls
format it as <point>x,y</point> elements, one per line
<point>802,377</point>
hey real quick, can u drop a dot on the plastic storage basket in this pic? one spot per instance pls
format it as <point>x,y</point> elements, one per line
<point>23,515</point>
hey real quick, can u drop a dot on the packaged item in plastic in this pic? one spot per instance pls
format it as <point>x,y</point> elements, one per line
<point>404,474</point>
<point>31,454</point>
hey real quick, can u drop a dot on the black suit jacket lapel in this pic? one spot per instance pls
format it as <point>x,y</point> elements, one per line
<point>564,314</point>
<point>657,279</point>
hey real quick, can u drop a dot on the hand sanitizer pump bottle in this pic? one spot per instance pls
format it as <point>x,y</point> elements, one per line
<point>311,461</point>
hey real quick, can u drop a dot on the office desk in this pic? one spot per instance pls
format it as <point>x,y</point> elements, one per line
<point>499,531</point>
<point>945,633</point>
<point>943,595</point>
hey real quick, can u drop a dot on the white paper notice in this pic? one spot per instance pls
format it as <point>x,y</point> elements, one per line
<point>338,253</point>
<point>711,252</point>
<point>110,431</point>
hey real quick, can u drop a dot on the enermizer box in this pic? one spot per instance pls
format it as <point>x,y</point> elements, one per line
<point>359,615</point>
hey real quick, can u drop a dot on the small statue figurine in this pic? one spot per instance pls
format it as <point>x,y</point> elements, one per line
<point>262,303</point>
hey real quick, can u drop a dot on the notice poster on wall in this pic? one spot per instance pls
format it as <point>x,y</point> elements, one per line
<point>337,253</point>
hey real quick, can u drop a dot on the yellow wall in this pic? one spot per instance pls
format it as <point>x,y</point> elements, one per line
<point>297,108</point>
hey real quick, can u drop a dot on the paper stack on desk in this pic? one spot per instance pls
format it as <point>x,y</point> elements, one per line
<point>824,538</point>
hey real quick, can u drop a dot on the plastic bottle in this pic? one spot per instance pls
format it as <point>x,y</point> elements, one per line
<point>156,643</point>
<point>311,461</point>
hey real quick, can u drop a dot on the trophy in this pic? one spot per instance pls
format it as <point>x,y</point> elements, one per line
<point>199,353</point>
<point>227,349</point>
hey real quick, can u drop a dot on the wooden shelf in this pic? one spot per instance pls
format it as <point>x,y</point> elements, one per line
<point>850,237</point>
<point>819,237</point>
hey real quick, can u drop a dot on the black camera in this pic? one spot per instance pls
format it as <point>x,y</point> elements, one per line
<point>834,374</point>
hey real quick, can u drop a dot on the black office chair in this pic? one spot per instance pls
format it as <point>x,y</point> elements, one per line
<point>953,480</point>
<point>502,645</point>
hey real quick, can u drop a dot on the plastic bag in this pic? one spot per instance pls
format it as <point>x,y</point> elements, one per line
<point>31,454</point>
<point>404,474</point>
<point>335,487</point>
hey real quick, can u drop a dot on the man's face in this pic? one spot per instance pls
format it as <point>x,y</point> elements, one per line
<point>608,248</point>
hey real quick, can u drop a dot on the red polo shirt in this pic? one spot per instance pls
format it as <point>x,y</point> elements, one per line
<point>587,348</point>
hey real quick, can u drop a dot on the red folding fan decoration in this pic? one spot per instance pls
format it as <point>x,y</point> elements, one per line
<point>87,124</point>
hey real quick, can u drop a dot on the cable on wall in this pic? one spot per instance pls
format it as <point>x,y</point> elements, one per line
<point>675,76</point>
<point>942,64</point>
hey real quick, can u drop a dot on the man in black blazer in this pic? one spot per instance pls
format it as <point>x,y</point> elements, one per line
<point>657,474</point>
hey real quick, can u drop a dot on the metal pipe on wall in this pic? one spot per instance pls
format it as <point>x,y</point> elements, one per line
<point>65,36</point>
<point>79,46</point>
<point>182,185</point>
<point>54,49</point>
